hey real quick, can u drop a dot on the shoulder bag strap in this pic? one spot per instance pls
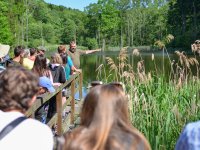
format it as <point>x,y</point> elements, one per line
<point>7,129</point>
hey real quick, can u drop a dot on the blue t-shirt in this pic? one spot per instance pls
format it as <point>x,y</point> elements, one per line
<point>67,71</point>
<point>68,67</point>
<point>69,61</point>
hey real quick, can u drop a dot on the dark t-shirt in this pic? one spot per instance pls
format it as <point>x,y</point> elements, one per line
<point>75,56</point>
<point>58,74</point>
<point>11,63</point>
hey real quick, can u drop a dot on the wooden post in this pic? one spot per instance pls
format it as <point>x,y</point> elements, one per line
<point>80,85</point>
<point>72,101</point>
<point>59,112</point>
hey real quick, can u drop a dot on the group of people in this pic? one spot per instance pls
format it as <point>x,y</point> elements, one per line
<point>104,125</point>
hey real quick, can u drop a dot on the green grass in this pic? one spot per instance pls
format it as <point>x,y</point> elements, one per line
<point>161,111</point>
<point>159,106</point>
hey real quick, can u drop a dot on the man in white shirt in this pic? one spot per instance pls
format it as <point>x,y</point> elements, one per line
<point>18,88</point>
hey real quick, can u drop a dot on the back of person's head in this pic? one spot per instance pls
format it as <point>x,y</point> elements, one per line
<point>40,65</point>
<point>32,51</point>
<point>26,53</point>
<point>64,57</point>
<point>56,59</point>
<point>18,87</point>
<point>61,49</point>
<point>19,50</point>
<point>105,123</point>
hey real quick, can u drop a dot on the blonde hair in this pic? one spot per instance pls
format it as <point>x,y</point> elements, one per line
<point>56,59</point>
<point>105,123</point>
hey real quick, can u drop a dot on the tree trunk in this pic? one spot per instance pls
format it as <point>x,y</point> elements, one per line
<point>121,37</point>
<point>99,35</point>
<point>195,20</point>
<point>27,22</point>
<point>183,17</point>
<point>128,30</point>
<point>103,44</point>
<point>22,28</point>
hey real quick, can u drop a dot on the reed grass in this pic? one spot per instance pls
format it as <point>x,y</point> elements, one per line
<point>159,106</point>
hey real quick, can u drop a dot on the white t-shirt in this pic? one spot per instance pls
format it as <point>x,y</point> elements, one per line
<point>28,135</point>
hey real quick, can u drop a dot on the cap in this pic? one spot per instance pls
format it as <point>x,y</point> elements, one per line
<point>4,49</point>
<point>41,48</point>
<point>46,83</point>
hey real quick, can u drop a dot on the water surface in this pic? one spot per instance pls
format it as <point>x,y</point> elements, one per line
<point>90,62</point>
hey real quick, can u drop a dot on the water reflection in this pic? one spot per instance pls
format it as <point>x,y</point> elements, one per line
<point>89,63</point>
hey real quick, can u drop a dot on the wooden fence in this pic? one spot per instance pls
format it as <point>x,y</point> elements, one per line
<point>74,85</point>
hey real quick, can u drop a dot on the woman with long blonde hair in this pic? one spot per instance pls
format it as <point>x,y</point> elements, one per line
<point>105,124</point>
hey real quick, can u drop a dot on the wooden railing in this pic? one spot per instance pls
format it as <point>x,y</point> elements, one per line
<point>74,85</point>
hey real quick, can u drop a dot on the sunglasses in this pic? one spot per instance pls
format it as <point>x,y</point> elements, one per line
<point>119,85</point>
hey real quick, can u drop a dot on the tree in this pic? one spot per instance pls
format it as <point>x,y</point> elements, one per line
<point>5,31</point>
<point>183,18</point>
<point>103,19</point>
<point>69,32</point>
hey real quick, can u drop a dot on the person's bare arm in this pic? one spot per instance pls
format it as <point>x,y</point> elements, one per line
<point>92,51</point>
<point>75,69</point>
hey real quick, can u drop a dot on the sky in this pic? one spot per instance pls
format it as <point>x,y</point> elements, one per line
<point>77,4</point>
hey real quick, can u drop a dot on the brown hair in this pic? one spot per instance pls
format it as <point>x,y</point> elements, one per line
<point>105,123</point>
<point>61,49</point>
<point>40,66</point>
<point>56,59</point>
<point>17,87</point>
<point>33,51</point>
<point>18,50</point>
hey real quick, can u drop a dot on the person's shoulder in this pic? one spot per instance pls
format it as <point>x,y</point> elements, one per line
<point>189,138</point>
<point>68,52</point>
<point>11,62</point>
<point>81,51</point>
<point>192,126</point>
<point>38,132</point>
<point>27,63</point>
<point>35,124</point>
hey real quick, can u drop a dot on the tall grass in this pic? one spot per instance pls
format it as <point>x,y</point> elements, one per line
<point>159,106</point>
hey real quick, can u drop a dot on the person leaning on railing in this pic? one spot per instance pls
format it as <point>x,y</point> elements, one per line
<point>105,123</point>
<point>18,89</point>
<point>58,75</point>
<point>67,61</point>
<point>45,86</point>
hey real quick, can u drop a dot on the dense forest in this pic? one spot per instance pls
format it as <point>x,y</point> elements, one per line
<point>114,22</point>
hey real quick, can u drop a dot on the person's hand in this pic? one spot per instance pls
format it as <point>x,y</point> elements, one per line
<point>78,70</point>
<point>98,49</point>
<point>56,84</point>
<point>40,52</point>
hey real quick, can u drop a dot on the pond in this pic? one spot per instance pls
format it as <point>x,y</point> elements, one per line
<point>90,63</point>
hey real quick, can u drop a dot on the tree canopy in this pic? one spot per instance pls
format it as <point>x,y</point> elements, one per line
<point>117,22</point>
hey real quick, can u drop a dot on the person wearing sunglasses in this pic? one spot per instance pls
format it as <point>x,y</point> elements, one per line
<point>105,123</point>
<point>75,53</point>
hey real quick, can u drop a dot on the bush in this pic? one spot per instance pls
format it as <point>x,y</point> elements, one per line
<point>36,42</point>
<point>91,43</point>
